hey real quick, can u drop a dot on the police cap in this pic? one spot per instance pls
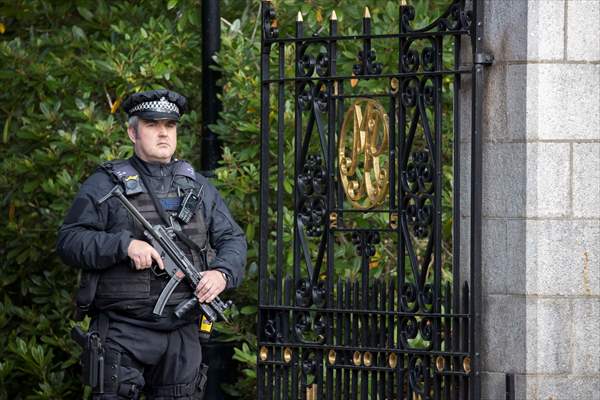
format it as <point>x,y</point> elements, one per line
<point>155,105</point>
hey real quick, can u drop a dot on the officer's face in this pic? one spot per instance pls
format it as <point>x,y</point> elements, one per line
<point>154,141</point>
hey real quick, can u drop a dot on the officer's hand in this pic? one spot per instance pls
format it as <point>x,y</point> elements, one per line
<point>209,287</point>
<point>142,255</point>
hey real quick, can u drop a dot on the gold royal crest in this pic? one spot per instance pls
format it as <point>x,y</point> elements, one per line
<point>365,187</point>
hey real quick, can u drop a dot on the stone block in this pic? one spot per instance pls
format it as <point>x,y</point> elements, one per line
<point>531,256</point>
<point>585,357</point>
<point>545,30</point>
<point>548,338</point>
<point>563,388</point>
<point>583,25</point>
<point>548,175</point>
<point>503,338</point>
<point>565,259</point>
<point>563,101</point>
<point>516,254</point>
<point>516,103</point>
<point>503,256</point>
<point>504,179</point>
<point>505,32</point>
<point>493,385</point>
<point>495,103</point>
<point>494,256</point>
<point>521,386</point>
<point>586,180</point>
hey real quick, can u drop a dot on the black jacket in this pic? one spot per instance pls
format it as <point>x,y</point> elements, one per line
<point>96,237</point>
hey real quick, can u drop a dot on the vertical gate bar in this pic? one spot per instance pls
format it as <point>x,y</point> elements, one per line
<point>302,356</point>
<point>355,336</point>
<point>456,189</point>
<point>295,367</point>
<point>280,167</point>
<point>400,249</point>
<point>278,295</point>
<point>363,304</point>
<point>348,337</point>
<point>297,147</point>
<point>340,118</point>
<point>383,331</point>
<point>318,379</point>
<point>339,342</point>
<point>269,367</point>
<point>395,205</point>
<point>448,380</point>
<point>437,276</point>
<point>392,149</point>
<point>297,167</point>
<point>466,322</point>
<point>476,198</point>
<point>286,334</point>
<point>276,349</point>
<point>364,301</point>
<point>374,342</point>
<point>264,187</point>
<point>331,142</point>
<point>390,339</point>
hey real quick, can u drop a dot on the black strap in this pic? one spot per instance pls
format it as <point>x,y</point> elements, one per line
<point>163,215</point>
<point>183,389</point>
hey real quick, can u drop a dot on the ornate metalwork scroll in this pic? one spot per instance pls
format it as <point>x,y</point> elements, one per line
<point>362,292</point>
<point>367,187</point>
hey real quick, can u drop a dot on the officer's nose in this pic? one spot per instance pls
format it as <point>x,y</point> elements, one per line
<point>162,130</point>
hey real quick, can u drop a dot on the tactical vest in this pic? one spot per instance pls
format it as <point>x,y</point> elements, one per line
<point>122,286</point>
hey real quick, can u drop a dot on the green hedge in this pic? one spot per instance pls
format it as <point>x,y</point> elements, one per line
<point>64,68</point>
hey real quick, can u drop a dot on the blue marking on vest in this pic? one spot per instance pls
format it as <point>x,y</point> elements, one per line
<point>171,203</point>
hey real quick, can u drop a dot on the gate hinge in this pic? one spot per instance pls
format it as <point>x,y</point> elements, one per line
<point>484,58</point>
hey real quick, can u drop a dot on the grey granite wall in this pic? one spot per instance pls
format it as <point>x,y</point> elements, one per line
<point>541,199</point>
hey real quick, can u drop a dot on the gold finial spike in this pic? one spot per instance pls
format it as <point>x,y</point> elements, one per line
<point>403,3</point>
<point>299,17</point>
<point>333,16</point>
<point>367,13</point>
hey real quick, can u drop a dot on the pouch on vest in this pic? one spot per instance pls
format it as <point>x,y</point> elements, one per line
<point>86,293</point>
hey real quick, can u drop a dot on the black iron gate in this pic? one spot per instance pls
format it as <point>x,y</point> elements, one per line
<point>363,294</point>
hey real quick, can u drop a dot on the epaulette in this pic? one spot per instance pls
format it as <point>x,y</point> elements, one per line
<point>183,168</point>
<point>123,172</point>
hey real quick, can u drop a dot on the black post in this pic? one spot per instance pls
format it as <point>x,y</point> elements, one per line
<point>217,355</point>
<point>211,106</point>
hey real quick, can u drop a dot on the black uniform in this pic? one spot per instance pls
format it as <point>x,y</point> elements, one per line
<point>162,355</point>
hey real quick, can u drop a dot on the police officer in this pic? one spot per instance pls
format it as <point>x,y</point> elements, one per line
<point>122,277</point>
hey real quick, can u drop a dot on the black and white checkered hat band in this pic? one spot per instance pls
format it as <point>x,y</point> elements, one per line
<point>162,106</point>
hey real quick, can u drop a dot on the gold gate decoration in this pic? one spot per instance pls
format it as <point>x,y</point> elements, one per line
<point>367,187</point>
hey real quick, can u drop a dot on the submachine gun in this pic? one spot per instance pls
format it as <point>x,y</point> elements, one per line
<point>177,265</point>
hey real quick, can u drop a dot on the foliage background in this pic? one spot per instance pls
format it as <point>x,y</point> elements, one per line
<point>64,69</point>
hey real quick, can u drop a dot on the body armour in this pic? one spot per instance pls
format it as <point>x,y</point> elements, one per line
<point>122,288</point>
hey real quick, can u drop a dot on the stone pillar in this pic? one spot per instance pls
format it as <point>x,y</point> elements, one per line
<point>541,199</point>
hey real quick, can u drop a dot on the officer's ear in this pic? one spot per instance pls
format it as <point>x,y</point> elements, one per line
<point>132,133</point>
